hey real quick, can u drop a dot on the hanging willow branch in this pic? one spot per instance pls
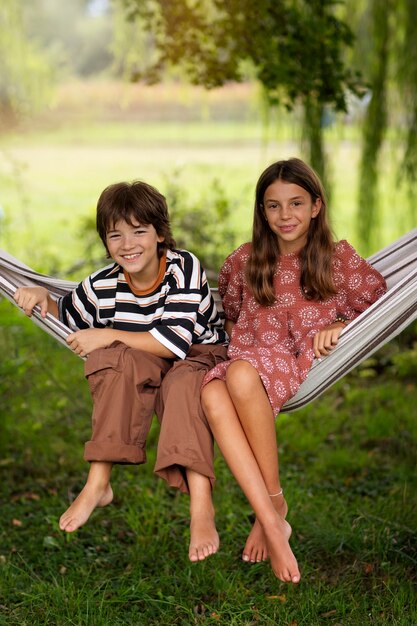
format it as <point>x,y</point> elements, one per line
<point>407,76</point>
<point>374,129</point>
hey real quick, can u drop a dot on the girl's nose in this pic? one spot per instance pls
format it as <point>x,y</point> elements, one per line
<point>285,212</point>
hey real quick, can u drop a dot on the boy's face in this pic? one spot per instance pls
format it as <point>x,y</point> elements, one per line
<point>134,247</point>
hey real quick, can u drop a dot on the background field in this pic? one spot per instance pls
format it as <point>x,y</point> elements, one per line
<point>53,170</point>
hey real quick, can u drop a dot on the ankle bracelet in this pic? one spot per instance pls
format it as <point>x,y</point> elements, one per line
<point>274,495</point>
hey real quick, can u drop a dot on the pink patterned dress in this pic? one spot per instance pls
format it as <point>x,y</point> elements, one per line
<point>278,340</point>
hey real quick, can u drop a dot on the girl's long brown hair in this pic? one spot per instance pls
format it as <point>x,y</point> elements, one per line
<point>316,256</point>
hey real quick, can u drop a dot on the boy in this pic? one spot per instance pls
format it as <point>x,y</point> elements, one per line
<point>149,328</point>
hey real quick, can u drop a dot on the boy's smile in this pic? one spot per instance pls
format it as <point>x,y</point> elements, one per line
<point>135,248</point>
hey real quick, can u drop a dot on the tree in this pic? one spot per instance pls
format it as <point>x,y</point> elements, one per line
<point>25,74</point>
<point>295,47</point>
<point>386,49</point>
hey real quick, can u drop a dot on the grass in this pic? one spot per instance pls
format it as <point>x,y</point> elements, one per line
<point>348,464</point>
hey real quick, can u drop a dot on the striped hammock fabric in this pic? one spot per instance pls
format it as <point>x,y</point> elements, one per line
<point>382,321</point>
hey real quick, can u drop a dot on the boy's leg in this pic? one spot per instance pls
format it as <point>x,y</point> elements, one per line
<point>97,492</point>
<point>123,384</point>
<point>204,538</point>
<point>185,447</point>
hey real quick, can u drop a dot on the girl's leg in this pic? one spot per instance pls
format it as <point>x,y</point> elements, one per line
<point>204,539</point>
<point>255,414</point>
<point>96,492</point>
<point>232,440</point>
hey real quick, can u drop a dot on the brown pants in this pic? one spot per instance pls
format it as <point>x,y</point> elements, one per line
<point>128,386</point>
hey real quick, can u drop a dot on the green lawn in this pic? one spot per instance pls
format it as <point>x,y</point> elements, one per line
<point>348,468</point>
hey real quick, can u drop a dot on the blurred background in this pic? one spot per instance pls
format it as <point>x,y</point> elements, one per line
<point>197,99</point>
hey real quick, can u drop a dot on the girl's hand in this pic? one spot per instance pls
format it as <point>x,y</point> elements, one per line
<point>28,297</point>
<point>326,340</point>
<point>83,342</point>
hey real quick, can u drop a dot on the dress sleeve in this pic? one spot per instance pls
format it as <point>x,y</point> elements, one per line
<point>231,281</point>
<point>359,284</point>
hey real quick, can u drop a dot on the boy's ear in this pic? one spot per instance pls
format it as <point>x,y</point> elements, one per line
<point>160,238</point>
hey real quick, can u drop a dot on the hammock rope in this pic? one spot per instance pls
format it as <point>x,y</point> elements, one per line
<point>380,323</point>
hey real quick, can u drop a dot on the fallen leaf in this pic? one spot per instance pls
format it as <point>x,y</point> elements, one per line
<point>328,613</point>
<point>281,598</point>
<point>368,568</point>
<point>17,522</point>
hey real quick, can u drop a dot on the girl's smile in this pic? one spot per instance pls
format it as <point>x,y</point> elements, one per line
<point>289,210</point>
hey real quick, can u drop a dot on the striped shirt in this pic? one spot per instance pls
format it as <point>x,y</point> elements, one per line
<point>178,312</point>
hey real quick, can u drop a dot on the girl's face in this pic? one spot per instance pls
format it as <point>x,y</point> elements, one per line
<point>289,209</point>
<point>135,249</point>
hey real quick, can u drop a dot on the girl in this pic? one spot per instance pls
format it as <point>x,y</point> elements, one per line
<point>287,296</point>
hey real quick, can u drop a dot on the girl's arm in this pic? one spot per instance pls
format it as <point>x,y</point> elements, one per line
<point>228,326</point>
<point>326,339</point>
<point>29,297</point>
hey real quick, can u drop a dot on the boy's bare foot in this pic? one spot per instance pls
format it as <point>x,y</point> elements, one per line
<point>204,538</point>
<point>255,549</point>
<point>84,504</point>
<point>283,562</point>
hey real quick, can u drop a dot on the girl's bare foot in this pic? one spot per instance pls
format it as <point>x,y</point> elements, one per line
<point>255,549</point>
<point>204,538</point>
<point>84,504</point>
<point>283,562</point>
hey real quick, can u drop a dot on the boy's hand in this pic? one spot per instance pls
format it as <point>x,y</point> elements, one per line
<point>83,342</point>
<point>28,297</point>
<point>325,340</point>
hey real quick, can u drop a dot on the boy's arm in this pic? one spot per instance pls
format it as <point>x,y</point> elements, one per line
<point>83,342</point>
<point>29,297</point>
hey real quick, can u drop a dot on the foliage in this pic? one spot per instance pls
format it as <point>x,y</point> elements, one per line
<point>203,225</point>
<point>295,49</point>
<point>387,54</point>
<point>25,73</point>
<point>348,462</point>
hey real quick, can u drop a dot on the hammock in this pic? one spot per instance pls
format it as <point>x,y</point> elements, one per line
<point>382,321</point>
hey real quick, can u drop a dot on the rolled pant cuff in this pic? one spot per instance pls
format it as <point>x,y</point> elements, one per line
<point>172,469</point>
<point>114,452</point>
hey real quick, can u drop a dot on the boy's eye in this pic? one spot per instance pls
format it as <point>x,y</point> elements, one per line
<point>113,236</point>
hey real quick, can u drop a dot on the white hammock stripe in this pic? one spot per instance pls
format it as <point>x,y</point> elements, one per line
<point>380,323</point>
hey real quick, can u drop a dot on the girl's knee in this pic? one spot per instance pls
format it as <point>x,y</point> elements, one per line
<point>242,378</point>
<point>211,400</point>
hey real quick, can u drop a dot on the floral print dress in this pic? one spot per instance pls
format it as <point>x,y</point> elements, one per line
<point>278,339</point>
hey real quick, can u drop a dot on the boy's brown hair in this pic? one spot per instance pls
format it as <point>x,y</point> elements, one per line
<point>134,202</point>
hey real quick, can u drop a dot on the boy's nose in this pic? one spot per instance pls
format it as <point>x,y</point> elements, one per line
<point>128,243</point>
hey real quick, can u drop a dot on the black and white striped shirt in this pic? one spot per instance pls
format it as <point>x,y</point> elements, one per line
<point>180,311</point>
